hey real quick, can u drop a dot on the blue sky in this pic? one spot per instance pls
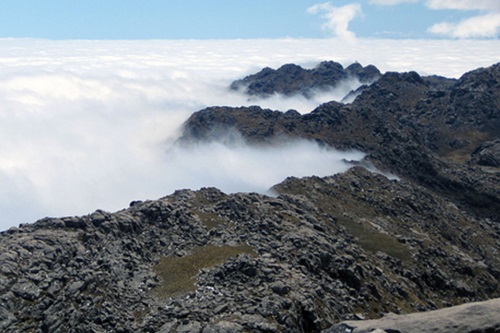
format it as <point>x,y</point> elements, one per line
<point>230,19</point>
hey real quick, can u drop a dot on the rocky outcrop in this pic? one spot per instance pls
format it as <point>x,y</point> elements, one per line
<point>479,317</point>
<point>421,128</point>
<point>449,117</point>
<point>487,154</point>
<point>323,250</point>
<point>292,79</point>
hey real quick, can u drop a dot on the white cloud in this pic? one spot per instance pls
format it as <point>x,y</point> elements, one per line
<point>391,2</point>
<point>89,124</point>
<point>337,18</point>
<point>239,167</point>
<point>493,5</point>
<point>479,26</point>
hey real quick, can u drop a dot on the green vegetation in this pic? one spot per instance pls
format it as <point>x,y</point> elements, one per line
<point>337,204</point>
<point>210,220</point>
<point>178,273</point>
<point>374,241</point>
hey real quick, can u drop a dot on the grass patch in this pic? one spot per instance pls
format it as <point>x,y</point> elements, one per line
<point>470,139</point>
<point>369,239</point>
<point>337,203</point>
<point>178,274</point>
<point>210,220</point>
<point>292,218</point>
<point>374,241</point>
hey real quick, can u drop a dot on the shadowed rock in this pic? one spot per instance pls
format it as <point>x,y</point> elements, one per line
<point>291,79</point>
<point>323,250</point>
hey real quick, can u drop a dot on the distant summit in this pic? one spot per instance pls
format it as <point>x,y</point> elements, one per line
<point>425,128</point>
<point>292,79</point>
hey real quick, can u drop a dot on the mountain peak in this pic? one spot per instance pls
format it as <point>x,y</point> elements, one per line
<point>318,251</point>
<point>291,79</point>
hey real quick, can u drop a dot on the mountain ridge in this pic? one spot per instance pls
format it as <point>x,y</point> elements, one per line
<point>291,79</point>
<point>401,114</point>
<point>320,251</point>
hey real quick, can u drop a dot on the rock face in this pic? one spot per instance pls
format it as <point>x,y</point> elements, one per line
<point>467,318</point>
<point>320,251</point>
<point>291,79</point>
<point>487,154</point>
<point>421,128</point>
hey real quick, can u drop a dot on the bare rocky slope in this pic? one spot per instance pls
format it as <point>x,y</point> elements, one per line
<point>356,245</point>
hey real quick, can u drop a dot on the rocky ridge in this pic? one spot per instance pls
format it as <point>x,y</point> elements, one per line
<point>324,250</point>
<point>423,128</point>
<point>291,79</point>
<point>320,251</point>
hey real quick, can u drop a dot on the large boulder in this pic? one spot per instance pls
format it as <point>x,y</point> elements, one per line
<point>477,317</point>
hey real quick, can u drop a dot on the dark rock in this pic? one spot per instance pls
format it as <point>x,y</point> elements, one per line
<point>291,79</point>
<point>469,318</point>
<point>487,154</point>
<point>6,318</point>
<point>407,124</point>
<point>280,288</point>
<point>340,328</point>
<point>321,251</point>
<point>75,223</point>
<point>190,327</point>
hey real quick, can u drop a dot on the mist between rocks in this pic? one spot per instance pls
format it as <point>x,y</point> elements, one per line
<point>344,92</point>
<point>93,128</point>
<point>239,167</point>
<point>73,143</point>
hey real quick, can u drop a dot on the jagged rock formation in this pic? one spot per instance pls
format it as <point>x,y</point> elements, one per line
<point>417,127</point>
<point>291,79</point>
<point>487,154</point>
<point>354,245</point>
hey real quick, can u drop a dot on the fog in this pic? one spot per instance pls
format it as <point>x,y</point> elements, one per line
<point>88,125</point>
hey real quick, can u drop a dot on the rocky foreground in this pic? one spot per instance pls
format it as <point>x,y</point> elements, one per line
<point>314,256</point>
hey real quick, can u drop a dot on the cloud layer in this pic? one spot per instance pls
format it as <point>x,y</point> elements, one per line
<point>464,4</point>
<point>87,124</point>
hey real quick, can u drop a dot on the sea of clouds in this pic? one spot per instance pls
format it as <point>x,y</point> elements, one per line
<point>88,125</point>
